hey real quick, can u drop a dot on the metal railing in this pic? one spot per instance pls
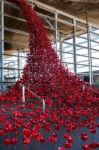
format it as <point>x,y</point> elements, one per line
<point>34,94</point>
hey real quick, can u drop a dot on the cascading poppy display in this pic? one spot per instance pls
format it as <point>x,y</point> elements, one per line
<point>71,103</point>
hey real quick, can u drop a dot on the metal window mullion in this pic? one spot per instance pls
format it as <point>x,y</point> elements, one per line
<point>89,56</point>
<point>18,59</point>
<point>2,38</point>
<point>74,46</point>
<point>56,31</point>
<point>61,48</point>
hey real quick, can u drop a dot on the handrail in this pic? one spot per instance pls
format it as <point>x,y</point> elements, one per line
<point>34,94</point>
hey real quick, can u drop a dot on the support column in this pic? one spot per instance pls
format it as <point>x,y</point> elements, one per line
<point>2,42</point>
<point>90,56</point>
<point>74,47</point>
<point>18,64</point>
<point>61,47</point>
<point>89,51</point>
<point>56,32</point>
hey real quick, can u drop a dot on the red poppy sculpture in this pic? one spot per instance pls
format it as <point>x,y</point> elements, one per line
<point>71,104</point>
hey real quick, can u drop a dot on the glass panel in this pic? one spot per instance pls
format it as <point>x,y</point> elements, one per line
<point>82,68</point>
<point>15,56</point>
<point>18,38</point>
<point>15,24</point>
<point>44,11</point>
<point>10,75</point>
<point>58,46</point>
<point>84,35</point>
<point>0,71</point>
<point>48,23</point>
<point>58,53</point>
<point>64,27</point>
<point>95,77</point>
<point>81,41</point>
<point>95,62</point>
<point>79,23</point>
<point>95,70</point>
<point>95,29</point>
<point>65,18</point>
<point>95,37</point>
<point>82,60</point>
<point>22,59</point>
<point>81,32</point>
<point>95,54</point>
<point>11,10</point>
<point>81,51</point>
<point>67,48</point>
<point>69,40</point>
<point>11,46</point>
<point>14,63</point>
<point>84,76</point>
<point>67,58</point>
<point>51,33</point>
<point>10,61</point>
<point>70,67</point>
<point>95,45</point>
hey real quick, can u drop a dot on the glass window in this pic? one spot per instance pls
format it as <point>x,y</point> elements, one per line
<point>95,62</point>
<point>22,59</point>
<point>45,11</point>
<point>69,40</point>
<point>62,27</point>
<point>14,63</point>
<point>70,66</point>
<point>95,70</point>
<point>95,54</point>
<point>48,23</point>
<point>11,10</point>
<point>81,51</point>
<point>95,37</point>
<point>58,46</point>
<point>83,35</point>
<point>10,61</point>
<point>18,38</point>
<point>81,41</point>
<point>10,74</point>
<point>95,29</point>
<point>80,32</point>
<point>67,57</point>
<point>96,77</point>
<point>81,24</point>
<point>67,48</point>
<point>58,53</point>
<point>65,18</point>
<point>94,45</point>
<point>82,68</point>
<point>82,60</point>
<point>15,24</point>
